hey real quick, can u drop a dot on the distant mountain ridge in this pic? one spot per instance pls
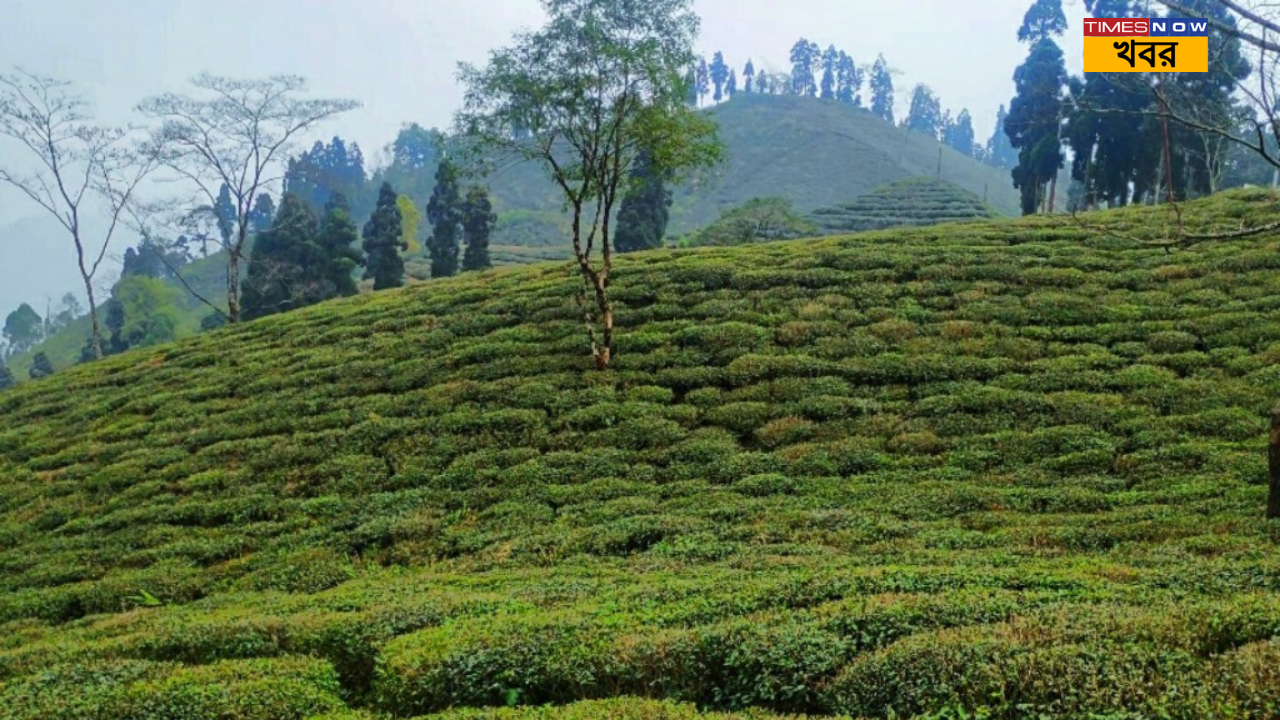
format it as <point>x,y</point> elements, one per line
<point>814,153</point>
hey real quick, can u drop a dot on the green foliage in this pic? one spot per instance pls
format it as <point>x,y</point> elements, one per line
<point>914,201</point>
<point>40,366</point>
<point>384,241</point>
<point>446,215</point>
<point>478,220</point>
<point>150,313</point>
<point>758,220</point>
<point>642,220</point>
<point>337,239</point>
<point>1003,470</point>
<point>23,328</point>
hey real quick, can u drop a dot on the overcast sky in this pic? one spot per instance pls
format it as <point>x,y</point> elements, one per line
<point>398,57</point>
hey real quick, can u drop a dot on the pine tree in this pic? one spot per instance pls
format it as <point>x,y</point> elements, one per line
<point>762,83</point>
<point>262,214</point>
<point>6,377</point>
<point>478,220</point>
<point>925,115</point>
<point>40,366</point>
<point>958,134</point>
<point>316,175</point>
<point>444,212</point>
<point>881,90</point>
<point>749,76</point>
<point>1044,19</point>
<point>337,238</point>
<point>719,74</point>
<point>1033,123</point>
<point>1000,152</point>
<point>642,219</point>
<point>830,66</point>
<point>848,81</point>
<point>383,242</point>
<point>805,57</point>
<point>731,85</point>
<point>285,263</point>
<point>702,79</point>
<point>115,323</point>
<point>225,212</point>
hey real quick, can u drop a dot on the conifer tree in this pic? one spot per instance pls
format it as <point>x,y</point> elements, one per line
<point>731,85</point>
<point>642,219</point>
<point>848,81</point>
<point>383,242</point>
<point>881,90</point>
<point>262,214</point>
<point>748,76</point>
<point>225,212</point>
<point>925,114</point>
<point>702,79</point>
<point>337,238</point>
<point>805,58</point>
<point>719,74</point>
<point>284,263</point>
<point>1000,152</point>
<point>478,220</point>
<point>958,133</point>
<point>444,212</point>
<point>830,66</point>
<point>1034,122</point>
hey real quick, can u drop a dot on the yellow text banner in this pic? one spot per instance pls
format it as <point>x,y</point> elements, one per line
<point>1146,54</point>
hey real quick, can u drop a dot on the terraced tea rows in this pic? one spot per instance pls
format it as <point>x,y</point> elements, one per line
<point>1015,468</point>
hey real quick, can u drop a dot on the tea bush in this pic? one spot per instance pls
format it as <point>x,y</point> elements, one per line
<point>998,469</point>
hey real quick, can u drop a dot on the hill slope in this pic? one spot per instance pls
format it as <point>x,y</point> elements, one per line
<point>1001,464</point>
<point>811,152</point>
<point>914,201</point>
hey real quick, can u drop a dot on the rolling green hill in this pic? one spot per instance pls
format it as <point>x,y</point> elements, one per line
<point>811,152</point>
<point>914,201</point>
<point>1014,467</point>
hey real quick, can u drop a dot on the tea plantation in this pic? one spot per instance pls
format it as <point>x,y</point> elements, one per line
<point>1003,470</point>
<point>914,201</point>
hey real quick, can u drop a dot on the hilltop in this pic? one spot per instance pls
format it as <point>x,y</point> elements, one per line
<point>812,152</point>
<point>914,201</point>
<point>1016,465</point>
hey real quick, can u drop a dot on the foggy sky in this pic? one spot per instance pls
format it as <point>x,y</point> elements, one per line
<point>398,57</point>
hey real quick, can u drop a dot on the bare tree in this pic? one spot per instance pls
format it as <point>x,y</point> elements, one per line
<point>1257,26</point>
<point>238,134</point>
<point>83,175</point>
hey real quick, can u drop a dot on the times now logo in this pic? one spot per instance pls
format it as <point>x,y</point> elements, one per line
<point>1145,27</point>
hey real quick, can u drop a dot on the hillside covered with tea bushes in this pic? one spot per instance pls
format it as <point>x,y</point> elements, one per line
<point>1009,468</point>
<point>914,201</point>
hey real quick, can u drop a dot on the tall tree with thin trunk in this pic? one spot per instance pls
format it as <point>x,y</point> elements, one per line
<point>881,83</point>
<point>719,74</point>
<point>84,175</point>
<point>238,133</point>
<point>599,84</point>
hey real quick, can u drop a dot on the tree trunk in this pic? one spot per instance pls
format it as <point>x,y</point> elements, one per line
<point>604,353</point>
<point>233,288</point>
<point>96,331</point>
<point>1273,458</point>
<point>1053,190</point>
